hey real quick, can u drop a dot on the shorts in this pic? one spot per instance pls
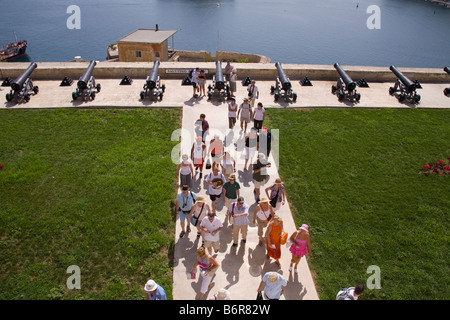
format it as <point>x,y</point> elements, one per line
<point>259,184</point>
<point>249,152</point>
<point>183,216</point>
<point>194,85</point>
<point>197,163</point>
<point>212,244</point>
<point>213,197</point>
<point>245,119</point>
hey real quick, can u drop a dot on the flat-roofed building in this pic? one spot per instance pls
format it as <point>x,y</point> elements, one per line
<point>145,45</point>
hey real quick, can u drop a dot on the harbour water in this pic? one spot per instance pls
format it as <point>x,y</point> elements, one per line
<point>412,33</point>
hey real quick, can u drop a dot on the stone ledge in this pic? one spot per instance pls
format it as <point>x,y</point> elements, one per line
<point>257,71</point>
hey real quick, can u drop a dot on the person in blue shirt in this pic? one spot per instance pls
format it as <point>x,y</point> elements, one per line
<point>154,291</point>
<point>273,284</point>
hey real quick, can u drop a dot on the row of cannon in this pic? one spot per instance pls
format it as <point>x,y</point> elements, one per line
<point>345,87</point>
<point>87,88</point>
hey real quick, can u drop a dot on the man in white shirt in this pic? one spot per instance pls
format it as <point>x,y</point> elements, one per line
<point>253,93</point>
<point>239,211</point>
<point>211,226</point>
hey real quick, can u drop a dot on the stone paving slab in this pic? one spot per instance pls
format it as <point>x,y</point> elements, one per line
<point>51,95</point>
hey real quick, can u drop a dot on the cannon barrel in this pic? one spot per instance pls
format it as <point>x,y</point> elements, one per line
<point>447,69</point>
<point>351,85</point>
<point>17,84</point>
<point>285,82</point>
<point>409,85</point>
<point>220,80</point>
<point>153,76</point>
<point>86,76</point>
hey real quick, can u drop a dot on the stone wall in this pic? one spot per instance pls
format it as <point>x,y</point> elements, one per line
<point>178,70</point>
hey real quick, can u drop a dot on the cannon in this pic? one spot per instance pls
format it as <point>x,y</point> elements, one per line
<point>406,87</point>
<point>219,85</point>
<point>283,86</point>
<point>152,86</point>
<point>22,85</point>
<point>345,87</point>
<point>86,84</point>
<point>447,90</point>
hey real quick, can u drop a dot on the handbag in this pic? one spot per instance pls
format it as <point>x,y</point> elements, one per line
<point>273,201</point>
<point>208,164</point>
<point>194,219</point>
<point>259,296</point>
<point>284,237</point>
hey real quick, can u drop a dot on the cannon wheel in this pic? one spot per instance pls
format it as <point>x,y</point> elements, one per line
<point>26,97</point>
<point>277,96</point>
<point>272,89</point>
<point>98,87</point>
<point>447,91</point>
<point>163,88</point>
<point>294,97</point>
<point>9,97</point>
<point>142,95</point>
<point>391,90</point>
<point>401,97</point>
<point>92,96</point>
<point>333,89</point>
<point>417,98</point>
<point>74,96</point>
<point>160,96</point>
<point>357,97</point>
<point>35,89</point>
<point>341,96</point>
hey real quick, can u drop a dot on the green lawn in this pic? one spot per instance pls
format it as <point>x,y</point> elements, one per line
<point>353,176</point>
<point>92,188</point>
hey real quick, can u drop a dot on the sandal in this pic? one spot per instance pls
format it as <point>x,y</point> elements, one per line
<point>182,233</point>
<point>188,229</point>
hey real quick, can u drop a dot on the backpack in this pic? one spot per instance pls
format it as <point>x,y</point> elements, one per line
<point>345,293</point>
<point>190,74</point>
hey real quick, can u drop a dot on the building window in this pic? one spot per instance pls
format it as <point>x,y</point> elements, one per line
<point>138,54</point>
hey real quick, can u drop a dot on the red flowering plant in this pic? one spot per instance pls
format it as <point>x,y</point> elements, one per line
<point>438,168</point>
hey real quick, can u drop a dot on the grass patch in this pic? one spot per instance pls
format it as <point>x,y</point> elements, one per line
<point>353,176</point>
<point>92,188</point>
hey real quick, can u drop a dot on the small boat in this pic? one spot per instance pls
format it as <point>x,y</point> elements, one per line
<point>14,50</point>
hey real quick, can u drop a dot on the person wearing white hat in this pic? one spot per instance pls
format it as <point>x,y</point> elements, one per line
<point>300,243</point>
<point>274,285</point>
<point>154,291</point>
<point>222,294</point>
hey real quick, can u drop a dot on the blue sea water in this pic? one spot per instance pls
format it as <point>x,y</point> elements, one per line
<point>413,33</point>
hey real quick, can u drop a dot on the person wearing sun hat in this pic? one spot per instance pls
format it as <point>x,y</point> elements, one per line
<point>263,213</point>
<point>273,284</point>
<point>301,242</point>
<point>222,294</point>
<point>277,194</point>
<point>198,212</point>
<point>154,291</point>
<point>231,190</point>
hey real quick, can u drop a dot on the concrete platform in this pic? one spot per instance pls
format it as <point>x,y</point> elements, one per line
<point>51,95</point>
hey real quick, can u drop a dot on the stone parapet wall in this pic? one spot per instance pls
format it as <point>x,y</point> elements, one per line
<point>256,71</point>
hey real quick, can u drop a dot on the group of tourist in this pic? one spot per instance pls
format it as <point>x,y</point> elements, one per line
<point>222,185</point>
<point>194,210</point>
